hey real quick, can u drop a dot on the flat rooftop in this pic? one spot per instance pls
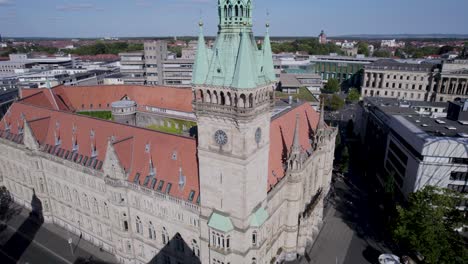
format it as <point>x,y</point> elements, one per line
<point>404,112</point>
<point>439,127</point>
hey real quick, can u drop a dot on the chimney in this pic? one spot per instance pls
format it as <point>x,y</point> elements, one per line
<point>465,105</point>
<point>290,99</point>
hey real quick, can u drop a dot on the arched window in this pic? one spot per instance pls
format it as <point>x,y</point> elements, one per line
<point>222,99</point>
<point>236,8</point>
<point>67,194</point>
<point>242,101</point>
<point>76,197</point>
<point>200,96</point>
<point>214,99</point>
<point>195,248</point>
<point>225,12</point>
<point>254,238</point>
<point>228,99</point>
<point>41,185</point>
<point>95,206</point>
<point>228,242</point>
<point>165,236</point>
<point>139,225</point>
<point>106,210</point>
<point>230,11</point>
<point>241,11</point>
<point>208,96</point>
<point>151,231</point>
<point>251,101</point>
<point>85,201</point>
<point>254,261</point>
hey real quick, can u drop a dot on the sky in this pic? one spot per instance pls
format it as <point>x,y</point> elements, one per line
<point>153,18</point>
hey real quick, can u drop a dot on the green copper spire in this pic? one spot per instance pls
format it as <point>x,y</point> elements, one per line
<point>268,68</point>
<point>200,69</point>
<point>235,60</point>
<point>245,75</point>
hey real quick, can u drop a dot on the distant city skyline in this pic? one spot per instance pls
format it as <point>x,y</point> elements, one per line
<point>138,18</point>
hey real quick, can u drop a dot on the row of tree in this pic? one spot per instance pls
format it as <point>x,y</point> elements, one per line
<point>311,46</point>
<point>106,48</point>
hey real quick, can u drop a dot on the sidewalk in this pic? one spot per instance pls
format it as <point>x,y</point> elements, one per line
<point>53,240</point>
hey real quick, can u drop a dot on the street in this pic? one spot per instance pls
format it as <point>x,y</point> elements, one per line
<point>25,239</point>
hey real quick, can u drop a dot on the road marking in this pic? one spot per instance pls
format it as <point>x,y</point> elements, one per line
<point>41,246</point>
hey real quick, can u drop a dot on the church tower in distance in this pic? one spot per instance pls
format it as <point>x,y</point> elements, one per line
<point>233,85</point>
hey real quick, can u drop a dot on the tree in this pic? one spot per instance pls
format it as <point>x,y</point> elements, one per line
<point>446,49</point>
<point>381,53</point>
<point>427,225</point>
<point>353,95</point>
<point>332,86</point>
<point>334,102</point>
<point>363,48</point>
<point>344,160</point>
<point>5,203</point>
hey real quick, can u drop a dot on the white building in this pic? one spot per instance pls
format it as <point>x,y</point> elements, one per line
<point>418,147</point>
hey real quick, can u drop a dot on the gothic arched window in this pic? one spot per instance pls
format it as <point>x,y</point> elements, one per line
<point>139,225</point>
<point>195,248</point>
<point>165,236</point>
<point>151,231</point>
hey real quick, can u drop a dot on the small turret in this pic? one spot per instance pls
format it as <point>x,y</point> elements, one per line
<point>267,65</point>
<point>200,69</point>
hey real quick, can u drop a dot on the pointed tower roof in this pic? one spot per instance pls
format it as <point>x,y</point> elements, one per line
<point>245,75</point>
<point>201,66</point>
<point>296,146</point>
<point>268,68</point>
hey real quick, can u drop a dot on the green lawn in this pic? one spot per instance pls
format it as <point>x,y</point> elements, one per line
<point>171,128</point>
<point>106,115</point>
<point>303,95</point>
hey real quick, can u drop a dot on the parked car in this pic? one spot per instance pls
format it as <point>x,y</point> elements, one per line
<point>389,259</point>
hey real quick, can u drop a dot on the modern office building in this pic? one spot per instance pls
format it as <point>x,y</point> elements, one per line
<point>343,68</point>
<point>133,66</point>
<point>153,66</point>
<point>249,188</point>
<point>416,144</point>
<point>25,61</point>
<point>155,53</point>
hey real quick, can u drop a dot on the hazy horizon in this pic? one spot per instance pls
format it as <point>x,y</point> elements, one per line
<point>140,18</point>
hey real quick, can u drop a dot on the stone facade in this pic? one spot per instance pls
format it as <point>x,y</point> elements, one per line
<point>249,189</point>
<point>419,82</point>
<point>388,78</point>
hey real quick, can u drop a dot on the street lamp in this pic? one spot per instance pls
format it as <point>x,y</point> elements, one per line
<point>70,242</point>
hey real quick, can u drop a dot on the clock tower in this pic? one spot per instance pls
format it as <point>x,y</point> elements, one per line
<point>233,85</point>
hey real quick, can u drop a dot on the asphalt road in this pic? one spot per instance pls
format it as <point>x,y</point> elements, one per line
<point>26,240</point>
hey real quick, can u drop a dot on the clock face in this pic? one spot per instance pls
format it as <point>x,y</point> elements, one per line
<point>258,135</point>
<point>220,137</point>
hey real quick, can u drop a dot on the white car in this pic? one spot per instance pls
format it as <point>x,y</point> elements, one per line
<point>389,259</point>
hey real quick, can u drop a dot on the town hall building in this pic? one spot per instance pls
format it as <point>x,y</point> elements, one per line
<point>247,187</point>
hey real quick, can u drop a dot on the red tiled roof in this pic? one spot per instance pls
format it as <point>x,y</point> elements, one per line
<point>281,138</point>
<point>82,97</point>
<point>39,98</point>
<point>130,144</point>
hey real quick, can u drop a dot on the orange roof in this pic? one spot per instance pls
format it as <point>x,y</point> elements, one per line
<point>281,138</point>
<point>139,149</point>
<point>134,146</point>
<point>102,96</point>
